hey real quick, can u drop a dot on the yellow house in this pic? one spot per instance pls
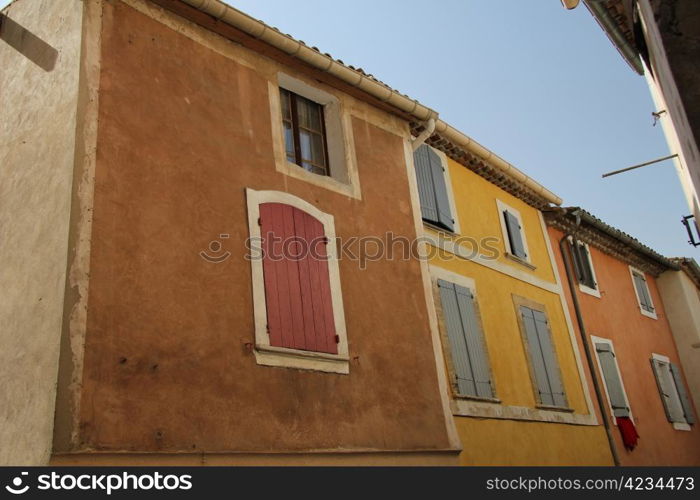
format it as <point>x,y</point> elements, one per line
<point>514,377</point>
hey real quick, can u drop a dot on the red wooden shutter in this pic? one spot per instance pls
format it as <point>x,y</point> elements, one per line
<point>297,282</point>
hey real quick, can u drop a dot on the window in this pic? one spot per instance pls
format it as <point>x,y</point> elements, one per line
<point>312,134</point>
<point>674,397</point>
<point>583,266</point>
<point>435,202</point>
<point>304,132</point>
<point>615,390</point>
<point>469,363</point>
<point>513,234</point>
<point>299,319</point>
<point>541,353</point>
<point>641,290</point>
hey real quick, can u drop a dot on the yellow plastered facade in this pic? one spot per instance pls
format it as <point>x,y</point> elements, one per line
<point>514,430</point>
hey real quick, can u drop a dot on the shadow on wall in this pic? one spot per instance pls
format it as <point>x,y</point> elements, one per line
<point>26,43</point>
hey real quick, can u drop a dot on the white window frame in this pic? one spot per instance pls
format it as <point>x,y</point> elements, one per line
<point>644,312</point>
<point>266,354</point>
<point>450,196</point>
<point>595,292</point>
<point>601,340</point>
<point>502,207</point>
<point>679,426</point>
<point>342,169</point>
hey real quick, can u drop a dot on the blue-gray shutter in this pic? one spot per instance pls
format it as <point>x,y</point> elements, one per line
<point>426,188</point>
<point>683,394</point>
<point>662,382</point>
<point>642,292</point>
<point>443,202</point>
<point>432,188</point>
<point>578,265</point>
<point>550,358</point>
<point>515,236</point>
<point>543,358</point>
<point>586,267</point>
<point>467,347</point>
<point>612,380</point>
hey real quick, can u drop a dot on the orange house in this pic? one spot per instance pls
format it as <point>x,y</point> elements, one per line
<point>636,372</point>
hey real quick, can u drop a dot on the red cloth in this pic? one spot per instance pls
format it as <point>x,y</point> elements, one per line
<point>628,431</point>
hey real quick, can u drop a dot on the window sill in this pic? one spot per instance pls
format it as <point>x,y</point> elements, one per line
<point>648,314</point>
<point>562,409</point>
<point>681,426</point>
<point>520,261</point>
<point>589,291</point>
<point>439,229</point>
<point>460,397</point>
<point>303,360</point>
<point>486,409</point>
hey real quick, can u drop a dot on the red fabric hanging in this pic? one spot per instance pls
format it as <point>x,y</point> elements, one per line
<point>628,431</point>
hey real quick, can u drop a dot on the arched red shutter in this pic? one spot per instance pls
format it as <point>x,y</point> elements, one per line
<point>297,282</point>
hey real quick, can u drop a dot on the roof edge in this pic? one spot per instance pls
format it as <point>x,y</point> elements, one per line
<point>567,214</point>
<point>294,48</point>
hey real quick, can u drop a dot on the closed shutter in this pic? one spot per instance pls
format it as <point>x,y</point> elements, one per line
<point>683,394</point>
<point>515,237</point>
<point>667,390</point>
<point>612,380</point>
<point>432,188</point>
<point>467,349</point>
<point>543,358</point>
<point>297,282</point>
<point>640,284</point>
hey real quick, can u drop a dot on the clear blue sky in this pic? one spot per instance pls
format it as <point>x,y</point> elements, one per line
<point>539,85</point>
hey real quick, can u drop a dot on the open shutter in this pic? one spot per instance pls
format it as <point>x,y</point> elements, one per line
<point>550,358</point>
<point>578,265</point>
<point>432,188</point>
<point>612,380</point>
<point>586,267</point>
<point>442,201</point>
<point>642,292</point>
<point>467,348</point>
<point>515,237</point>
<point>683,394</point>
<point>297,283</point>
<point>666,390</point>
<point>426,188</point>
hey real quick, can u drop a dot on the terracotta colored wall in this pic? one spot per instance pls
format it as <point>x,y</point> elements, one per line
<point>183,130</point>
<point>635,337</point>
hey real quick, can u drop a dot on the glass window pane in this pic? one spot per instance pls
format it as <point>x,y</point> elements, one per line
<point>285,98</point>
<point>305,143</point>
<point>289,138</point>
<point>309,114</point>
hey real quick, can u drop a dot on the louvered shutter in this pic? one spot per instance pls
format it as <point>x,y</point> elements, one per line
<point>297,283</point>
<point>682,394</point>
<point>586,267</point>
<point>467,348</point>
<point>515,237</point>
<point>667,390</point>
<point>578,265</point>
<point>426,188</point>
<point>432,188</point>
<point>543,358</point>
<point>612,380</point>
<point>550,358</point>
<point>640,284</point>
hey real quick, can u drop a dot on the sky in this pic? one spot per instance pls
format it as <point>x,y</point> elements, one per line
<point>540,86</point>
